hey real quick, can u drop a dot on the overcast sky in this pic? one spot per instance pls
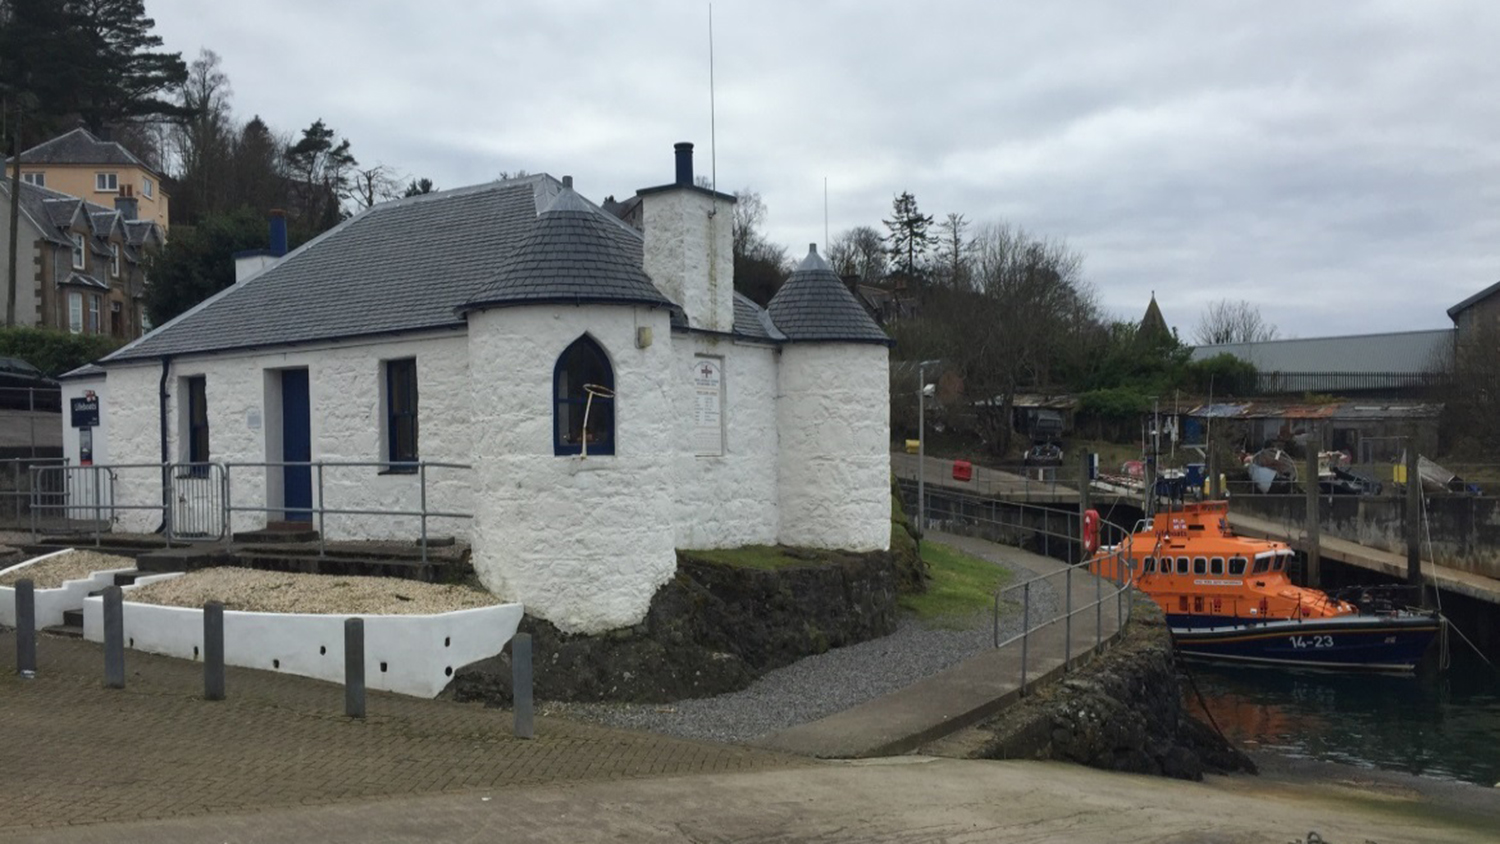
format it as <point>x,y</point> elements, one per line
<point>1335,163</point>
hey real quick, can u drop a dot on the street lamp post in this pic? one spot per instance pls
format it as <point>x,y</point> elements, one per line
<point>922,451</point>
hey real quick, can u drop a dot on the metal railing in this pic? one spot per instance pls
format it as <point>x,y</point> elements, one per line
<point>317,508</point>
<point>43,399</point>
<point>17,485</point>
<point>1048,529</point>
<point>198,504</point>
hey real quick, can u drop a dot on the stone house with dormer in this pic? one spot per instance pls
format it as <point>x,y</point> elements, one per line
<point>81,265</point>
<point>596,392</point>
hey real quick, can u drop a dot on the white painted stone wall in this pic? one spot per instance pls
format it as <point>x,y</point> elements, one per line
<point>582,542</point>
<point>89,489</point>
<point>727,501</point>
<point>345,387</point>
<point>833,416</point>
<point>689,253</point>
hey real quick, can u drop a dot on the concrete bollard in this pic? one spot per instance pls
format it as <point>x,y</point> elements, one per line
<point>354,667</point>
<point>114,638</point>
<point>26,628</point>
<point>213,651</point>
<point>520,683</point>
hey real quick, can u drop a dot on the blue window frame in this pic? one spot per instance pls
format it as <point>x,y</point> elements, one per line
<point>401,414</point>
<point>583,384</point>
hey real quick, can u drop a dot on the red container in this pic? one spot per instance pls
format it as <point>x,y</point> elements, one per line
<point>963,470</point>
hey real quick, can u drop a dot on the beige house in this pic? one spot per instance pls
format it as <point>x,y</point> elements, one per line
<point>79,164</point>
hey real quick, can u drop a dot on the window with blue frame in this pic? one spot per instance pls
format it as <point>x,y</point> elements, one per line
<point>583,388</point>
<point>401,413</point>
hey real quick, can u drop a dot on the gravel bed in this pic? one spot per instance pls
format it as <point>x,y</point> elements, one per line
<point>74,565</point>
<point>251,590</point>
<point>820,685</point>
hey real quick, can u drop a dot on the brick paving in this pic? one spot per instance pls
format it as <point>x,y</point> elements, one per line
<point>74,752</point>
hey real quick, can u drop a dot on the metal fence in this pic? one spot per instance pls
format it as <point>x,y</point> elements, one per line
<point>1052,532</point>
<point>194,502</point>
<point>18,485</point>
<point>42,399</point>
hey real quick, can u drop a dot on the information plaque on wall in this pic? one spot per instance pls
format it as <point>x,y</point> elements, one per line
<point>708,406</point>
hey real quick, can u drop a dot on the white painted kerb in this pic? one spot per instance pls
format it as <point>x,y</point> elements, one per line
<point>52,603</point>
<point>410,654</point>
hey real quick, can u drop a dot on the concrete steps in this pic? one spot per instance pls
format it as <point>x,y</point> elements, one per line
<point>72,626</point>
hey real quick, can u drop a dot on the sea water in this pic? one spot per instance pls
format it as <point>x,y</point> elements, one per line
<point>1434,723</point>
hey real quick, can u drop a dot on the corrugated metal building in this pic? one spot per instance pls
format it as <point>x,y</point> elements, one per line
<point>1390,363</point>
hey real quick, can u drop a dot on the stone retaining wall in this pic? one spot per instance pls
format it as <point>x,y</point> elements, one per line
<point>711,629</point>
<point>1124,711</point>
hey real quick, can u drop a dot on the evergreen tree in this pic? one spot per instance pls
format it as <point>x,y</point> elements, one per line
<point>908,238</point>
<point>122,73</point>
<point>321,171</point>
<point>417,187</point>
<point>198,261</point>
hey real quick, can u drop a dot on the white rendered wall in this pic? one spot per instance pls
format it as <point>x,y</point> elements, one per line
<point>409,654</point>
<point>689,253</point>
<point>583,543</point>
<point>345,386</point>
<point>833,417</point>
<point>730,500</point>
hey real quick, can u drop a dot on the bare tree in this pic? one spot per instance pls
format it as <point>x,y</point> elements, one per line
<point>1228,321</point>
<point>953,251</point>
<point>203,144</point>
<point>374,185</point>
<point>859,251</point>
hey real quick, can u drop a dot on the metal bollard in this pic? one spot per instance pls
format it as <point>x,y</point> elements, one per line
<point>114,638</point>
<point>213,651</point>
<point>520,683</point>
<point>354,667</point>
<point>26,628</point>
<point>1025,629</point>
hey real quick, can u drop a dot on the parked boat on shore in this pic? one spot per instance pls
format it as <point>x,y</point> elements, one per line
<point>1229,597</point>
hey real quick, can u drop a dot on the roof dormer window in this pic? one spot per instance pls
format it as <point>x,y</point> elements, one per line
<point>106,182</point>
<point>38,179</point>
<point>78,248</point>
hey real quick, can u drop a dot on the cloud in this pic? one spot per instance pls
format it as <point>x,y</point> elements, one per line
<point>1332,163</point>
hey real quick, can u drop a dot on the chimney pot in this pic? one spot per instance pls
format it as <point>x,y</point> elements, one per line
<point>812,248</point>
<point>684,162</point>
<point>278,232</point>
<point>568,182</point>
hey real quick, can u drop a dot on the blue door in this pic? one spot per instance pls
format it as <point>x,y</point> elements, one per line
<point>296,445</point>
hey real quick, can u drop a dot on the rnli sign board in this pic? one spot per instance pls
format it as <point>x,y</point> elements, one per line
<point>708,406</point>
<point>84,412</point>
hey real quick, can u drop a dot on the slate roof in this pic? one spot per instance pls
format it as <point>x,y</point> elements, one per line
<point>80,146</point>
<point>814,305</point>
<point>407,265</point>
<point>751,320</point>
<point>52,212</point>
<point>575,254</point>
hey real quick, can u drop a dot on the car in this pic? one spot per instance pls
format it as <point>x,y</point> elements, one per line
<point>1044,454</point>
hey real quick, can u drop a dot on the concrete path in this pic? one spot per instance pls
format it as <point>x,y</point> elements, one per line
<point>892,800</point>
<point>974,689</point>
<point>987,482</point>
<point>1386,562</point>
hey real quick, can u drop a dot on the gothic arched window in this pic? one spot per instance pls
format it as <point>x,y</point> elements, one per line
<point>583,389</point>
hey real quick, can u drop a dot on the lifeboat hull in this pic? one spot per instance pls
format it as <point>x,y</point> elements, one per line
<point>1372,642</point>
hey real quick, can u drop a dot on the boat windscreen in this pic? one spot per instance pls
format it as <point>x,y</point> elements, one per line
<point>1261,564</point>
<point>1237,565</point>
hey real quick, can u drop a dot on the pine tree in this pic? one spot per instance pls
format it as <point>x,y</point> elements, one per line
<point>908,238</point>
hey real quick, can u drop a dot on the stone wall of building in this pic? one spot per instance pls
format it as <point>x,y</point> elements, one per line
<point>833,416</point>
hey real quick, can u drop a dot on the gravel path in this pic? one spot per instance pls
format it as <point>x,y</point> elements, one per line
<point>821,685</point>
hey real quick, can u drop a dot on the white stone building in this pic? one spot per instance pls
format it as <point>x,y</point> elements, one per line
<point>462,327</point>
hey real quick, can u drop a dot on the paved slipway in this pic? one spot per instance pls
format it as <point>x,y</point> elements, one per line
<point>277,761</point>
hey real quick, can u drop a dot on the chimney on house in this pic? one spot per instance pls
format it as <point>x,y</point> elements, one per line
<point>253,262</point>
<point>126,203</point>
<point>278,232</point>
<point>689,249</point>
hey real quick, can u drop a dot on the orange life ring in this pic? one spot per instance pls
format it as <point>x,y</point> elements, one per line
<point>1090,531</point>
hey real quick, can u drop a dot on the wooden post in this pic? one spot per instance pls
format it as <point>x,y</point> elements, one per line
<point>1413,516</point>
<point>1314,574</point>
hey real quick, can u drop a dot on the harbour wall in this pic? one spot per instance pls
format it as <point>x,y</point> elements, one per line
<point>1464,529</point>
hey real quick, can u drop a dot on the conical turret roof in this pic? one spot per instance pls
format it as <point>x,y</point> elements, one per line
<point>814,304</point>
<point>574,254</point>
